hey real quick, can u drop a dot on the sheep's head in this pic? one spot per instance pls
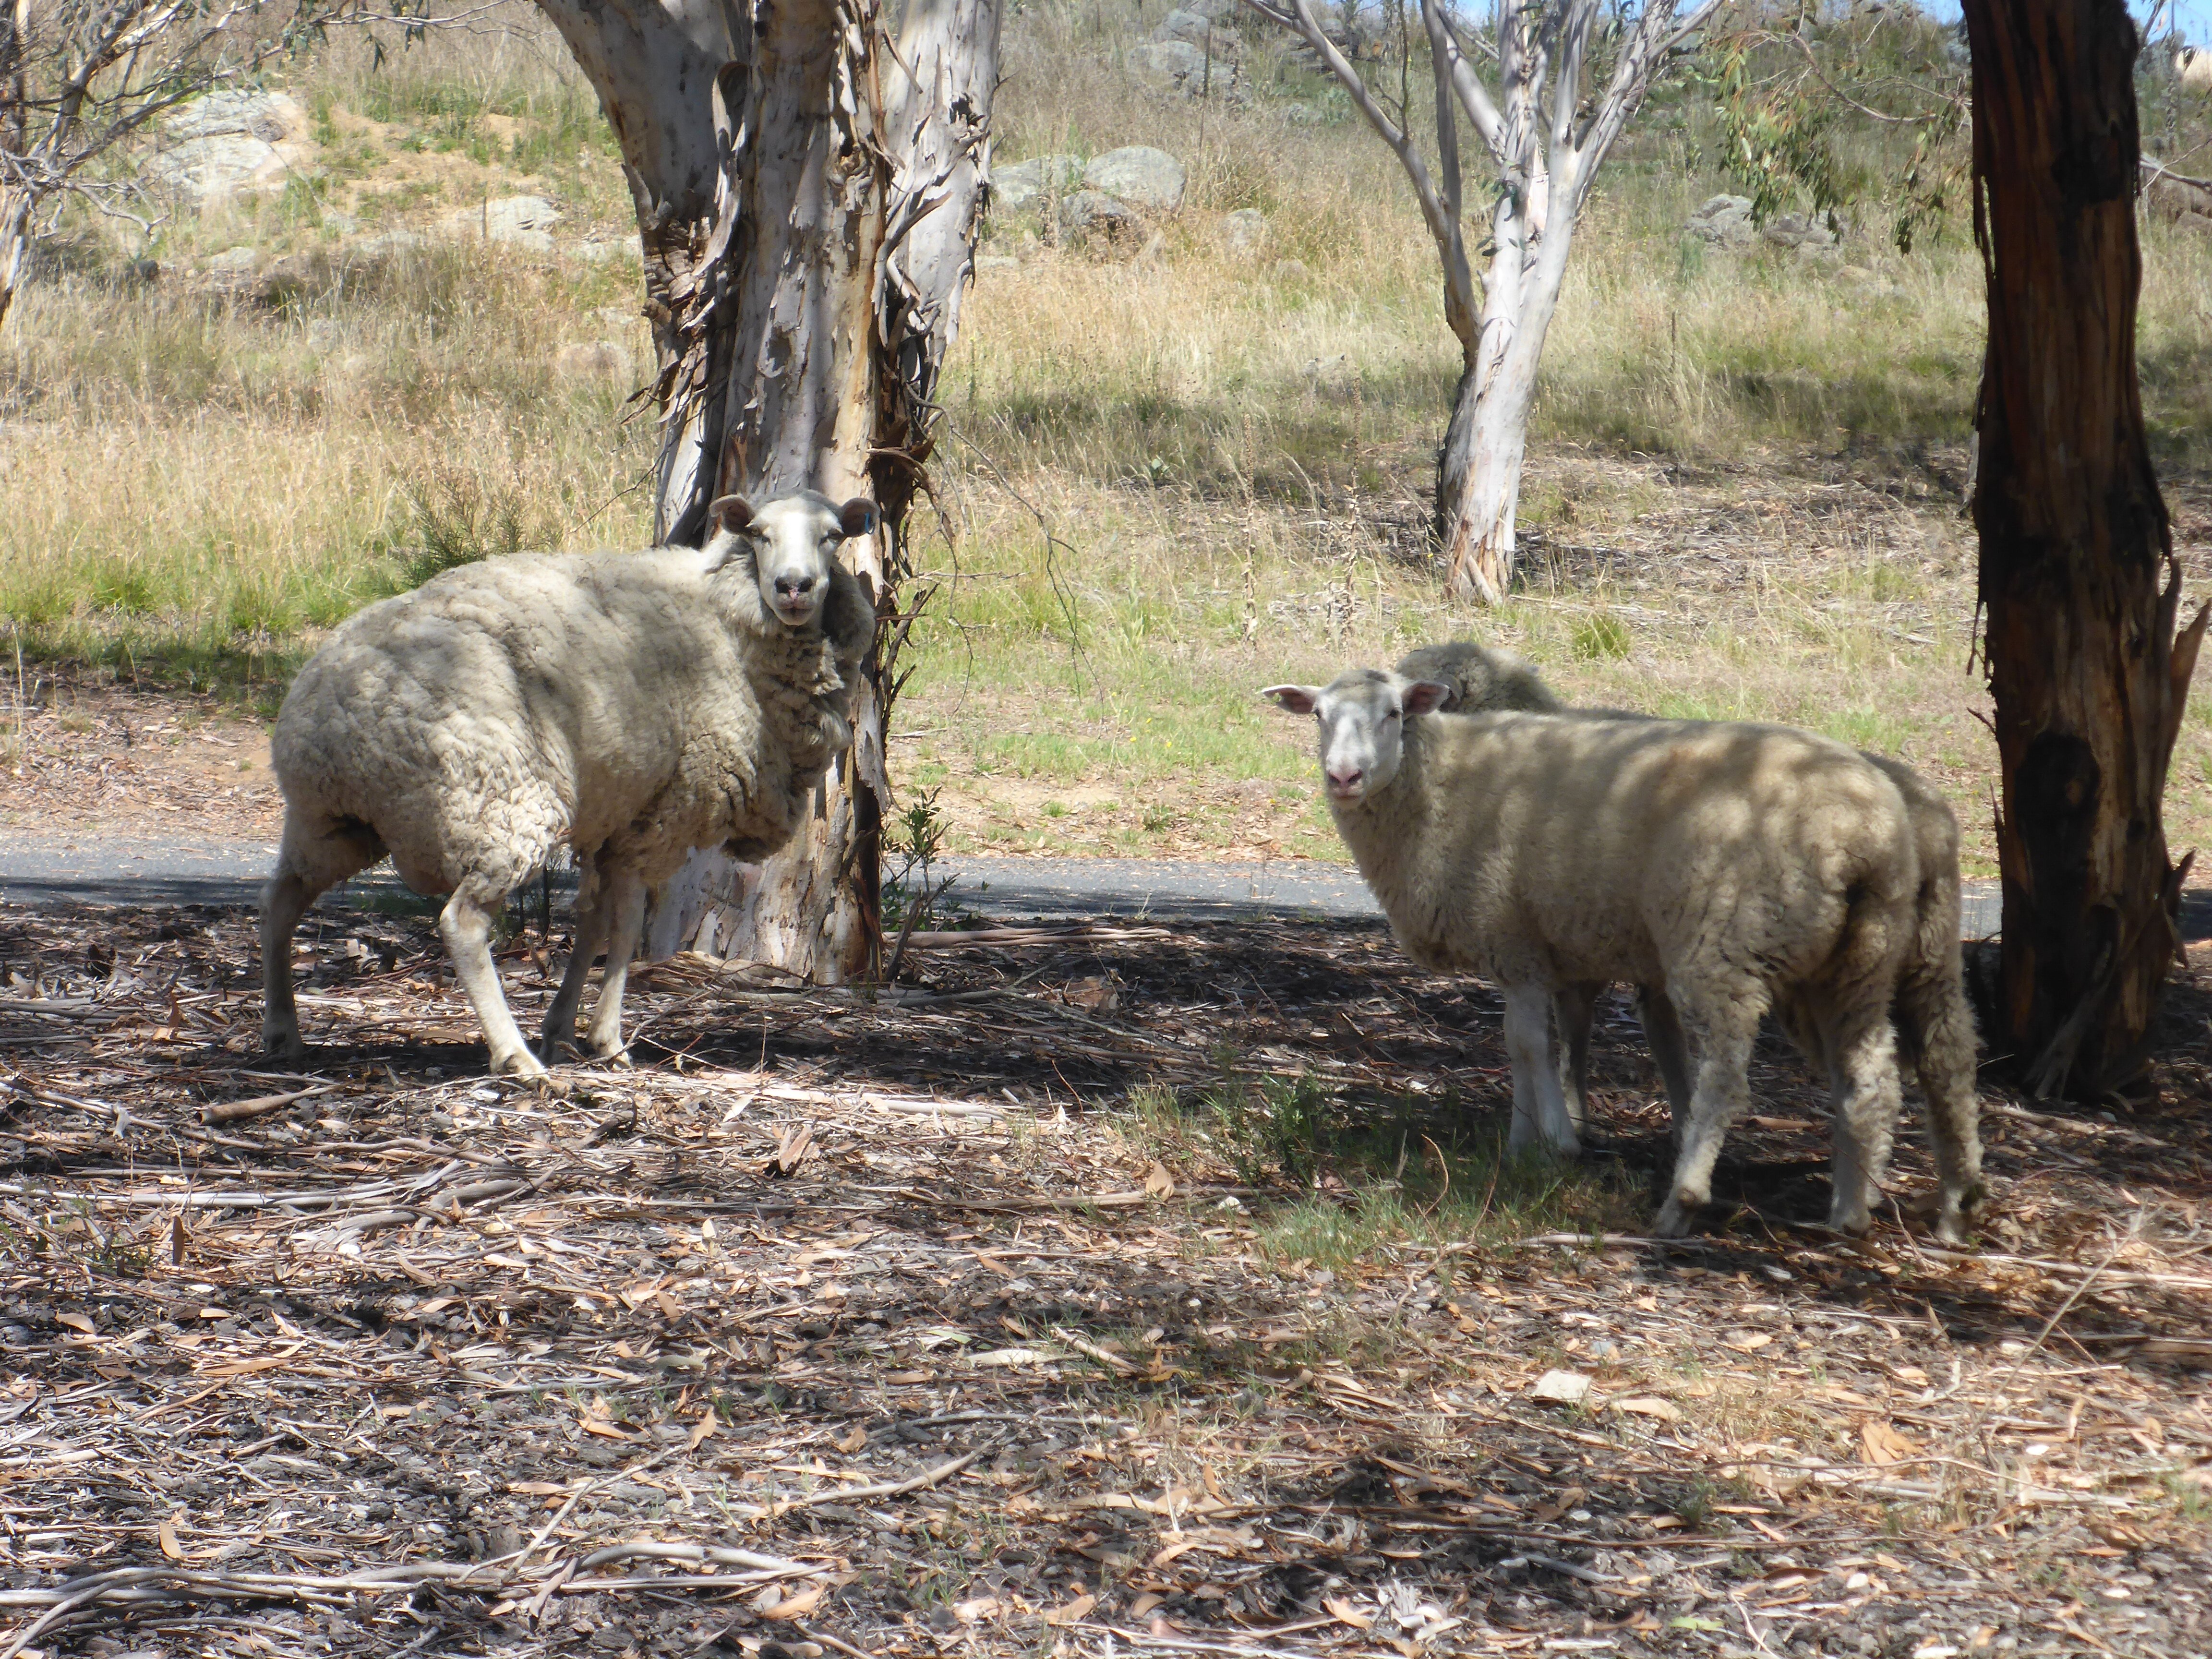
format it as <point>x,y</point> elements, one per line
<point>794,540</point>
<point>1362,715</point>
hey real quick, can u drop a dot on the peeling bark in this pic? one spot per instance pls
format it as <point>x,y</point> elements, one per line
<point>2077,569</point>
<point>808,177</point>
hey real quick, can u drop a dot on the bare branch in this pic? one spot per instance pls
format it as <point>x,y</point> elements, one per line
<point>1474,97</point>
<point>1444,227</point>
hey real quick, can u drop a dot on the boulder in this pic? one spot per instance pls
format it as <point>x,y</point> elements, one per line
<point>1021,185</point>
<point>229,142</point>
<point>524,221</point>
<point>1138,174</point>
<point>233,260</point>
<point>1092,219</point>
<point>1798,233</point>
<point>1723,221</point>
<point>1204,32</point>
<point>607,250</point>
<point>1244,233</point>
<point>1178,66</point>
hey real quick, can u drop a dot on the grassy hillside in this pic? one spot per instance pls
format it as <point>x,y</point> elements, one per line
<point>1171,480</point>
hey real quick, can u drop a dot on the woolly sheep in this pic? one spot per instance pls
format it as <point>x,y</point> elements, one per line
<point>635,706</point>
<point>1931,1012</point>
<point>1740,866</point>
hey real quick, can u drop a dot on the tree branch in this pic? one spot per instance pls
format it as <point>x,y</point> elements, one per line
<point>1459,281</point>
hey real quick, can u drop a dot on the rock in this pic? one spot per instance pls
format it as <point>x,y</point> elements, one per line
<point>1140,174</point>
<point>1289,270</point>
<point>2201,223</point>
<point>229,142</point>
<point>1564,1387</point>
<point>1022,185</point>
<point>1178,66</point>
<point>1215,11</point>
<point>231,259</point>
<point>605,250</point>
<point>1094,218</point>
<point>591,360</point>
<point>620,318</point>
<point>996,262</point>
<point>1723,221</point>
<point>1795,231</point>
<point>1202,32</point>
<point>524,221</point>
<point>390,245</point>
<point>1305,115</point>
<point>1244,233</point>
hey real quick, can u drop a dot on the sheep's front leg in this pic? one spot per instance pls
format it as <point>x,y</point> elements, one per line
<point>466,925</point>
<point>623,901</point>
<point>1539,1110</point>
<point>1572,1009</point>
<point>591,928</point>
<point>283,902</point>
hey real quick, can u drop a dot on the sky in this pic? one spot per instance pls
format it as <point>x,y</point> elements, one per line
<point>2192,17</point>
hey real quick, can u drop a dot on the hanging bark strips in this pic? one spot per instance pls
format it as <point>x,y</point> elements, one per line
<point>2077,569</point>
<point>808,178</point>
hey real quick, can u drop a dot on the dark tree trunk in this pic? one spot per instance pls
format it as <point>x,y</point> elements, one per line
<point>2077,571</point>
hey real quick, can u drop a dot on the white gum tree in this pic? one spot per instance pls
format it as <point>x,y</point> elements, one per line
<point>807,176</point>
<point>1546,110</point>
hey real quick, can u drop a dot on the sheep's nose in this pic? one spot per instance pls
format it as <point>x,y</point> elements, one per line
<point>1344,780</point>
<point>797,587</point>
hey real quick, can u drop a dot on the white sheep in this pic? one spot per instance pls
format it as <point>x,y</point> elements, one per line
<point>1739,866</point>
<point>633,706</point>
<point>1931,1012</point>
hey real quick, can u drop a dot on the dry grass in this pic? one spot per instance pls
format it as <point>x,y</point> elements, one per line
<point>1743,501</point>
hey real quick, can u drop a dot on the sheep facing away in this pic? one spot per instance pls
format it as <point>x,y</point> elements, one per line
<point>634,706</point>
<point>1740,867</point>
<point>1931,1012</point>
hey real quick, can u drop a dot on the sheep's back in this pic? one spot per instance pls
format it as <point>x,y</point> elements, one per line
<point>1567,847</point>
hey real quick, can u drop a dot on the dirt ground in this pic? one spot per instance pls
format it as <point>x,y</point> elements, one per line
<point>889,1326</point>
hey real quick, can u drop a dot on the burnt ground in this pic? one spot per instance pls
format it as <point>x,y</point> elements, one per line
<point>1029,1308</point>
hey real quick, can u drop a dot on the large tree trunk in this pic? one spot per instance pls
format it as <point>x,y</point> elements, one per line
<point>2077,571</point>
<point>808,176</point>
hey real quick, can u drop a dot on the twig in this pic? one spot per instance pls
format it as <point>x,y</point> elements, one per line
<point>889,1489</point>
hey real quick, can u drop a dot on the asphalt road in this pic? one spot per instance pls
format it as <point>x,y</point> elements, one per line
<point>48,868</point>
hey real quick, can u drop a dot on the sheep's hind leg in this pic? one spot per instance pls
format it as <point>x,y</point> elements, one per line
<point>591,929</point>
<point>1662,1033</point>
<point>1572,1009</point>
<point>623,903</point>
<point>466,925</point>
<point>1722,1090</point>
<point>283,902</point>
<point>308,866</point>
<point>1540,1108</point>
<point>1862,1084</point>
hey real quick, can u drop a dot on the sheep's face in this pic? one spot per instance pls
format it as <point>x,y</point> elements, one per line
<point>1362,716</point>
<point>794,541</point>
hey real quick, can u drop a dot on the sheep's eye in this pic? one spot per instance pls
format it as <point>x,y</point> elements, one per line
<point>1393,715</point>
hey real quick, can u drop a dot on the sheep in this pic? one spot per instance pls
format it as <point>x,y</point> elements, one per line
<point>1737,866</point>
<point>1931,1012</point>
<point>635,706</point>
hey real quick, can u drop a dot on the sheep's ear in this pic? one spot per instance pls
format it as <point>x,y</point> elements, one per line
<point>731,513</point>
<point>857,517</point>
<point>1298,699</point>
<point>1426,697</point>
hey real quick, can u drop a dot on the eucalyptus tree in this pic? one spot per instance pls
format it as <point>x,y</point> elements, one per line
<point>1545,93</point>
<point>807,177</point>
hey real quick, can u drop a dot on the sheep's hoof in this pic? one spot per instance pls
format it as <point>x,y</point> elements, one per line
<point>520,1063</point>
<point>1674,1220</point>
<point>1854,1221</point>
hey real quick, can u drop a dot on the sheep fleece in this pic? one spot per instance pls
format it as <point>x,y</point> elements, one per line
<point>1720,859</point>
<point>624,700</point>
